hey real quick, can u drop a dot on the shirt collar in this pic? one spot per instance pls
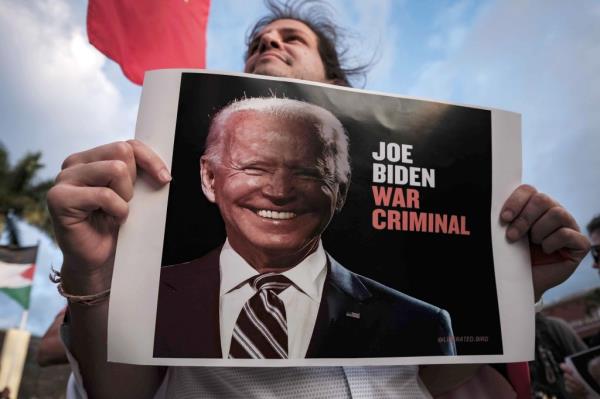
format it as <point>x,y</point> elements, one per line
<point>235,270</point>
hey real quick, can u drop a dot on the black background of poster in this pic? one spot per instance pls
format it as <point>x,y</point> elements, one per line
<point>450,271</point>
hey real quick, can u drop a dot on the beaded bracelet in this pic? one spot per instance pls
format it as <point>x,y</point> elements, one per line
<point>86,300</point>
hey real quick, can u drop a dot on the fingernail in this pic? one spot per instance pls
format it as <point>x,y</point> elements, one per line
<point>164,176</point>
<point>512,233</point>
<point>507,215</point>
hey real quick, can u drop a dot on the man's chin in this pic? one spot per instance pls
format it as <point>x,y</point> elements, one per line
<point>278,249</point>
<point>286,249</point>
<point>272,70</point>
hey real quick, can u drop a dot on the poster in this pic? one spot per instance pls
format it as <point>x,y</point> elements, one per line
<point>381,212</point>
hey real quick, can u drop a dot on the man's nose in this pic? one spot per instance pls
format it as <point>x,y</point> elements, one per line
<point>269,40</point>
<point>280,187</point>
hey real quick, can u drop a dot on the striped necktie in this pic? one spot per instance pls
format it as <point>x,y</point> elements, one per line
<point>260,331</point>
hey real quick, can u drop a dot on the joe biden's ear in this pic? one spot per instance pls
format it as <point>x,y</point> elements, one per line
<point>207,175</point>
<point>342,193</point>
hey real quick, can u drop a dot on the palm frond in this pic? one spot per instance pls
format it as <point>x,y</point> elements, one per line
<point>21,196</point>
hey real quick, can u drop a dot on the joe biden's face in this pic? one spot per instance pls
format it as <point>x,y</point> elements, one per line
<point>273,185</point>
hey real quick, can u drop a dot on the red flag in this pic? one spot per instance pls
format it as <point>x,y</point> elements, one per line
<point>149,34</point>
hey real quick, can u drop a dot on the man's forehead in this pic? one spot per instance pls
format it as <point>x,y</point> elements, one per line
<point>249,117</point>
<point>288,25</point>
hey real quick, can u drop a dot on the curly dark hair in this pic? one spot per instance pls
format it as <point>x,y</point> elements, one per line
<point>317,15</point>
<point>594,224</point>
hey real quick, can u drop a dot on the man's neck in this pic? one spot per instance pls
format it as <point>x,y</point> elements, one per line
<point>275,261</point>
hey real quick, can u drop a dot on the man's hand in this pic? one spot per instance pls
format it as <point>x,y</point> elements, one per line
<point>574,387</point>
<point>557,245</point>
<point>89,202</point>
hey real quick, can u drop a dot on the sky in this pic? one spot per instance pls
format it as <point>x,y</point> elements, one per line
<point>59,95</point>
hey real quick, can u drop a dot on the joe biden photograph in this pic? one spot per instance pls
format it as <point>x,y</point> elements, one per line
<point>278,170</point>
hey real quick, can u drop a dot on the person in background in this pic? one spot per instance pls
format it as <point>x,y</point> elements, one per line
<point>593,229</point>
<point>554,341</point>
<point>573,386</point>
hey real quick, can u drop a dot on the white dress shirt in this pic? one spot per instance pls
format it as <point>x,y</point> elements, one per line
<point>301,300</point>
<point>380,382</point>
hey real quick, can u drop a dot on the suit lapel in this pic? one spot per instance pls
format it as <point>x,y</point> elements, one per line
<point>214,339</point>
<point>200,296</point>
<point>339,319</point>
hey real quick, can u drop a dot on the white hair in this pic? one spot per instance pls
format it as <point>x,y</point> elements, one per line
<point>329,129</point>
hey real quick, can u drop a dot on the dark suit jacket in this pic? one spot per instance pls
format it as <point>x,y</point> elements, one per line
<point>358,317</point>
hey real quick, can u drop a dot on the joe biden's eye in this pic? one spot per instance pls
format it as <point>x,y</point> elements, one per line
<point>309,174</point>
<point>254,170</point>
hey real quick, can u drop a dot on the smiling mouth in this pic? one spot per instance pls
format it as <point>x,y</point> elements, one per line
<point>266,214</point>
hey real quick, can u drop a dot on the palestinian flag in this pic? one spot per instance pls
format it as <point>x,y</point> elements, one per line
<point>17,266</point>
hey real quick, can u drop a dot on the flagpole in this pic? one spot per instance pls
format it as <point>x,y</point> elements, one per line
<point>25,313</point>
<point>24,317</point>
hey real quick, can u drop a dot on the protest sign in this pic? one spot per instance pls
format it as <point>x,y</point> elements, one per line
<point>388,206</point>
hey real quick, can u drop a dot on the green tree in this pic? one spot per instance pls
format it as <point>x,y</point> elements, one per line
<point>21,196</point>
